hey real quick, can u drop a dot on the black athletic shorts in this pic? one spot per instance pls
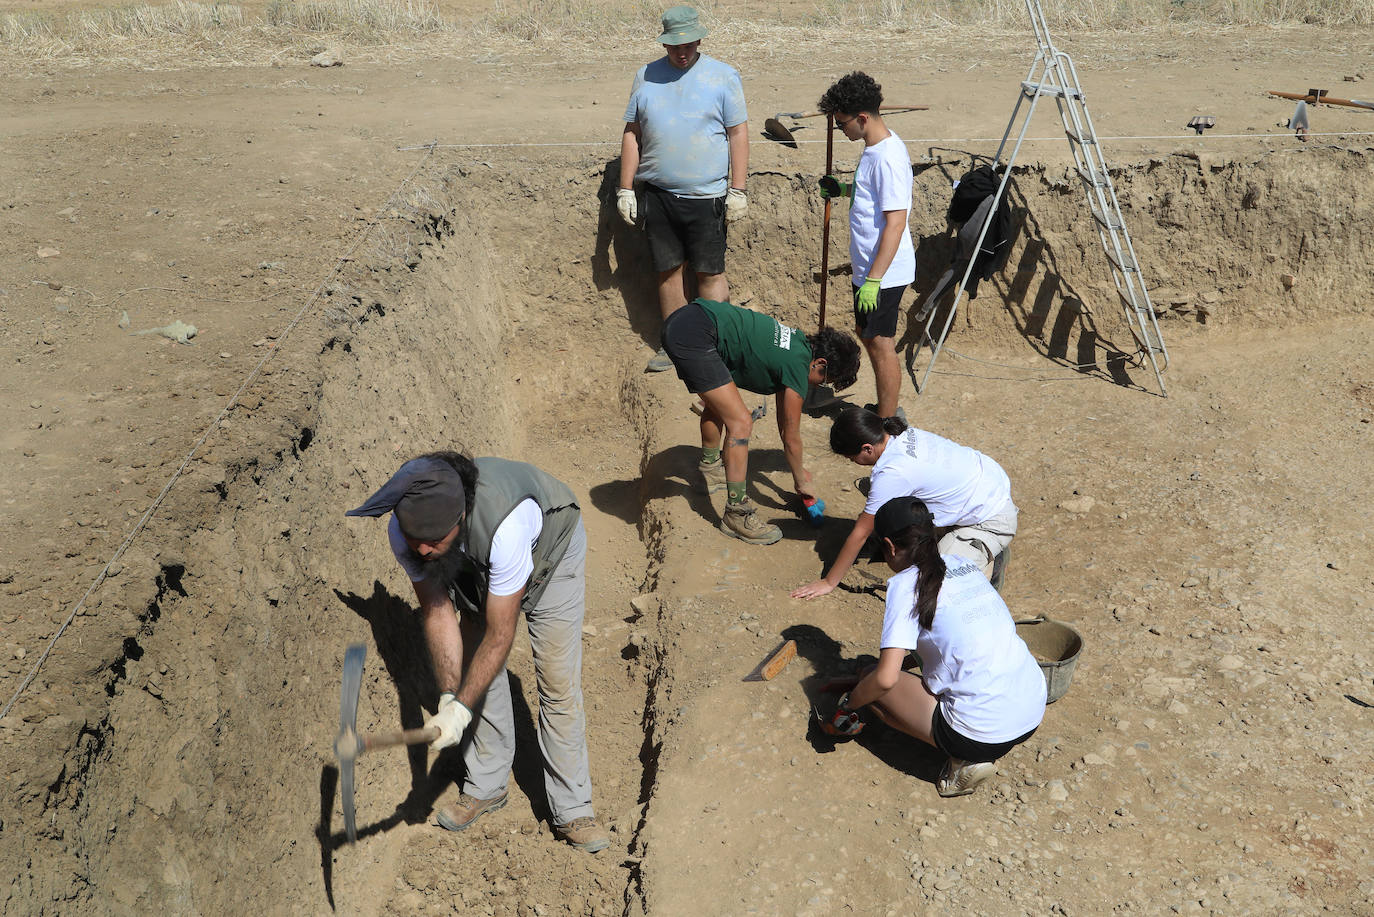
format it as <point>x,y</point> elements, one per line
<point>685,229</point>
<point>959,746</point>
<point>882,321</point>
<point>689,337</point>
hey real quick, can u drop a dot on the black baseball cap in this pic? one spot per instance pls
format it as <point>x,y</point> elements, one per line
<point>427,496</point>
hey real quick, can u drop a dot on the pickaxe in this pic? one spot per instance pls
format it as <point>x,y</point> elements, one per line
<point>350,745</point>
<point>778,131</point>
<point>1319,97</point>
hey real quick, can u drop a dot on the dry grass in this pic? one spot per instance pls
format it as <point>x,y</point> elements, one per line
<point>223,34</point>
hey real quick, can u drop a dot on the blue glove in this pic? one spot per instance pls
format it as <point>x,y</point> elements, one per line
<point>868,294</point>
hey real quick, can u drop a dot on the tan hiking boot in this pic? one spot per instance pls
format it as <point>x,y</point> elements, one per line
<point>714,473</point>
<point>740,521</point>
<point>584,833</point>
<point>959,778</point>
<point>459,815</point>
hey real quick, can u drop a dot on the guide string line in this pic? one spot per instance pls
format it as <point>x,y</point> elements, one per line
<point>937,140</point>
<point>104,573</point>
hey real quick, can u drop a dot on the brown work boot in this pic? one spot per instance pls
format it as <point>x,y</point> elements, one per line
<point>742,522</point>
<point>714,473</point>
<point>459,815</point>
<point>584,833</point>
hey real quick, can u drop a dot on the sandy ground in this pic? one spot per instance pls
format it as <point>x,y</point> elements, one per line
<point>173,751</point>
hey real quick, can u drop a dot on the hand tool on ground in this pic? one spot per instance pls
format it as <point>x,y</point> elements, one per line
<point>349,745</point>
<point>1201,123</point>
<point>779,131</point>
<point>1319,97</point>
<point>775,662</point>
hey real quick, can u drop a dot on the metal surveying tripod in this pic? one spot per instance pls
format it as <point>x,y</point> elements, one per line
<point>1053,74</point>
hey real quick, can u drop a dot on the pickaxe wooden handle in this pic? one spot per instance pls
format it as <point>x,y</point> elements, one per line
<point>1314,99</point>
<point>798,115</point>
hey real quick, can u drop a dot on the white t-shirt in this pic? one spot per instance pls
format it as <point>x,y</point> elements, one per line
<point>989,685</point>
<point>961,486</point>
<point>512,549</point>
<point>882,182</point>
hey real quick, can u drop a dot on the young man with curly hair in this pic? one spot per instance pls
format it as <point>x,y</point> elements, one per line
<point>880,246</point>
<point>719,348</point>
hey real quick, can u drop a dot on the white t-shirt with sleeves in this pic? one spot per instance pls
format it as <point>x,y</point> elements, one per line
<point>882,182</point>
<point>959,485</point>
<point>512,549</point>
<point>989,685</point>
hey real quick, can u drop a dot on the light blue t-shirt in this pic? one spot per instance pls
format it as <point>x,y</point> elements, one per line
<point>682,117</point>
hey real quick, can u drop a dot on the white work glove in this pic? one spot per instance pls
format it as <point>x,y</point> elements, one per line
<point>736,204</point>
<point>625,203</point>
<point>451,720</point>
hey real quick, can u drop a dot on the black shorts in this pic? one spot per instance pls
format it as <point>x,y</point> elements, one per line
<point>685,229</point>
<point>959,746</point>
<point>882,321</point>
<point>689,337</point>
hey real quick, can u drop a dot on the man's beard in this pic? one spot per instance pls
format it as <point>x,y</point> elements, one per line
<point>445,568</point>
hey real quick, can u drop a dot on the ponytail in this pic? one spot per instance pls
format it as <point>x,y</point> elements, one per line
<point>916,545</point>
<point>857,427</point>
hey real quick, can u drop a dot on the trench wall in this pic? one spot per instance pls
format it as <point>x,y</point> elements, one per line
<point>199,788</point>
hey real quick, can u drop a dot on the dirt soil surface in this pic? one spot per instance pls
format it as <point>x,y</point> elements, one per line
<point>355,304</point>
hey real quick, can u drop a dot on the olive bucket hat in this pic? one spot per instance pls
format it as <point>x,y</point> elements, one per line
<point>681,26</point>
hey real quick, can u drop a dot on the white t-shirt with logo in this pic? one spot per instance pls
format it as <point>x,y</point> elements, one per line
<point>512,549</point>
<point>882,182</point>
<point>989,685</point>
<point>961,486</point>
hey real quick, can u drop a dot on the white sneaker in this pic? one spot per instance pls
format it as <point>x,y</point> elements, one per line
<point>959,778</point>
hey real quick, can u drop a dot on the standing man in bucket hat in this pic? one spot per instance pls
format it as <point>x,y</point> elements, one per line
<point>686,141</point>
<point>495,538</point>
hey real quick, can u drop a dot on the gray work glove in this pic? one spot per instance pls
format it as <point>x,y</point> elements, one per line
<point>736,204</point>
<point>626,204</point>
<point>451,719</point>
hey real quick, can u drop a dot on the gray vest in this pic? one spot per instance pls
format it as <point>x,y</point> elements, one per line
<point>501,486</point>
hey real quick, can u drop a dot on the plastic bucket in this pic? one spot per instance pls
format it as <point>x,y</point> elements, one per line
<point>1055,646</point>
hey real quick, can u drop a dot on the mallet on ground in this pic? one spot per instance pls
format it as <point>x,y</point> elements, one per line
<point>349,745</point>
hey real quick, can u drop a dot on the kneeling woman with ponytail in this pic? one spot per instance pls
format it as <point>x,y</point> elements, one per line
<point>980,692</point>
<point>968,493</point>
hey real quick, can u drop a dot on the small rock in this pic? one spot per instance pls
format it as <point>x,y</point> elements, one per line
<point>123,319</point>
<point>646,603</point>
<point>1230,662</point>
<point>1177,708</point>
<point>1056,791</point>
<point>330,58</point>
<point>1287,280</point>
<point>1078,505</point>
<point>48,252</point>
<point>1211,297</point>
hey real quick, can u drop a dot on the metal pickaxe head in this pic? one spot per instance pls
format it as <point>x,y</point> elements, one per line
<point>348,746</point>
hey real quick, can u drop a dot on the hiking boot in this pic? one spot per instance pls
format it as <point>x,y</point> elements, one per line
<point>740,521</point>
<point>714,473</point>
<point>459,815</point>
<point>584,833</point>
<point>959,778</point>
<point>659,362</point>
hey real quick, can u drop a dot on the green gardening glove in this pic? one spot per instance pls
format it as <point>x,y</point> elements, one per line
<point>833,187</point>
<point>868,294</point>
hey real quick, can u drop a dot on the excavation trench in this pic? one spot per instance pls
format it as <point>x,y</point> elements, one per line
<point>510,313</point>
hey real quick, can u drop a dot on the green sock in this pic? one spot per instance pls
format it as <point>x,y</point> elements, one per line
<point>734,492</point>
<point>709,456</point>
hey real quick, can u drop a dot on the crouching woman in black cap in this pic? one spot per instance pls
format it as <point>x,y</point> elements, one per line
<point>980,692</point>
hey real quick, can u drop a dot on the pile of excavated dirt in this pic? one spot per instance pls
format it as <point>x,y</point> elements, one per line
<point>1206,757</point>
